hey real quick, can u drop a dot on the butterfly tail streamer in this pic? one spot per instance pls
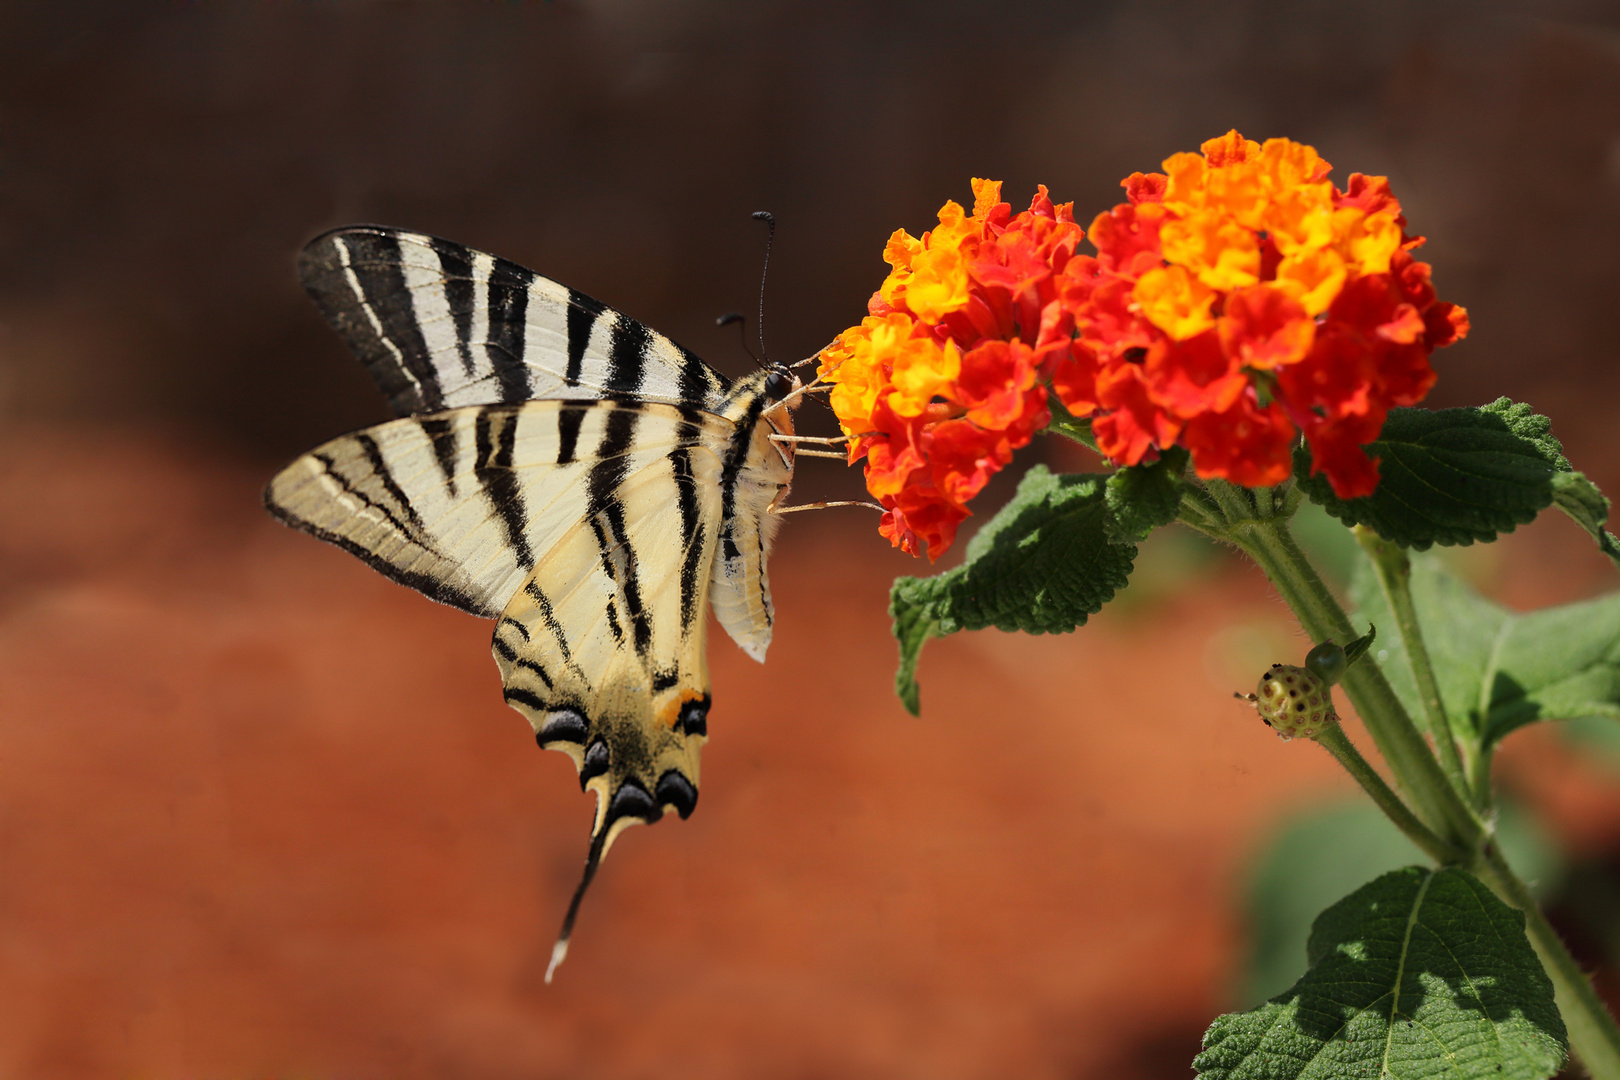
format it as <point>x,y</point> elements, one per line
<point>593,859</point>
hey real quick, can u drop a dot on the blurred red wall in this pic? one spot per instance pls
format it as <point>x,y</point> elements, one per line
<point>264,813</point>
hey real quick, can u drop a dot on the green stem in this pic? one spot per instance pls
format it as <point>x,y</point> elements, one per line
<point>1417,772</point>
<point>1395,578</point>
<point>1335,742</point>
<point>1199,511</point>
<point>1593,1036</point>
<point>1445,825</point>
<point>1482,776</point>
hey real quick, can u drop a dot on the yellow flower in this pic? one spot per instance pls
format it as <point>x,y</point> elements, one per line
<point>1223,253</point>
<point>1367,241</point>
<point>854,365</point>
<point>1313,278</point>
<point>1175,301</point>
<point>930,276</point>
<point>921,370</point>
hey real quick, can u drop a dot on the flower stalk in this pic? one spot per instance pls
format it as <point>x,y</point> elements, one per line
<point>1594,1037</point>
<point>1335,742</point>
<point>1445,826</point>
<point>1395,579</point>
<point>1267,540</point>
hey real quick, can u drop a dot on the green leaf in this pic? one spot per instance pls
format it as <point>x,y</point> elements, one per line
<point>1358,648</point>
<point>1141,498</point>
<point>1597,737</point>
<point>1578,497</point>
<point>1497,669</point>
<point>1421,973</point>
<point>1319,854</point>
<point>1043,565</point>
<point>1463,475</point>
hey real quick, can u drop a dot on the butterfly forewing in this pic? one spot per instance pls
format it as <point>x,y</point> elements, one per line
<point>440,325</point>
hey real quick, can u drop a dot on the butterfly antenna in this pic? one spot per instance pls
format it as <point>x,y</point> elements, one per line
<point>593,859</point>
<point>770,238</point>
<point>741,322</point>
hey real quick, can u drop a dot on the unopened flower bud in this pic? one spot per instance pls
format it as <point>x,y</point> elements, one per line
<point>1327,662</point>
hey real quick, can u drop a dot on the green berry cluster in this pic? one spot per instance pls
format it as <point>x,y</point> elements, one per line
<point>1294,702</point>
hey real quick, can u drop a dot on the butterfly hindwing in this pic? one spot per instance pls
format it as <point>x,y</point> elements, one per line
<point>590,530</point>
<point>440,325</point>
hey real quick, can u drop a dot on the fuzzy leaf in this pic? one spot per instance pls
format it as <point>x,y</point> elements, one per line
<point>1043,565</point>
<point>1578,497</point>
<point>1498,669</point>
<point>1418,974</point>
<point>1141,498</point>
<point>1457,476</point>
<point>1319,853</point>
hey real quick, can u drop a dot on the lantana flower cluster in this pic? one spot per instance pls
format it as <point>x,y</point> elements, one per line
<point>946,376</point>
<point>1236,300</point>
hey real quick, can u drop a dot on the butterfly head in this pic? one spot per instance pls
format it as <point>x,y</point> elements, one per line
<point>780,382</point>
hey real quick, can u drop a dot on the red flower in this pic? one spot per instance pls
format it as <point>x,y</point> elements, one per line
<point>1243,261</point>
<point>1235,277</point>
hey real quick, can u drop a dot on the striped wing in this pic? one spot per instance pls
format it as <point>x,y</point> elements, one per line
<point>596,532</point>
<point>440,326</point>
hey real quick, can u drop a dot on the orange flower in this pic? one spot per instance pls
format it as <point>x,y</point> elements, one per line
<point>1236,301</point>
<point>946,378</point>
<point>1241,260</point>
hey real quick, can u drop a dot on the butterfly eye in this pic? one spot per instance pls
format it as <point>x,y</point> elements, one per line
<point>777,385</point>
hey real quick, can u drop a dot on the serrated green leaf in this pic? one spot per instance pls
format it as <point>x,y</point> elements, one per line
<point>1141,498</point>
<point>1043,565</point>
<point>913,627</point>
<point>1458,476</point>
<point>1578,497</point>
<point>1319,854</point>
<point>1418,974</point>
<point>1498,670</point>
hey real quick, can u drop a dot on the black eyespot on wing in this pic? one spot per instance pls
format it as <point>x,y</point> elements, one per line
<point>564,725</point>
<point>677,791</point>
<point>632,800</point>
<point>595,763</point>
<point>694,719</point>
<point>777,384</point>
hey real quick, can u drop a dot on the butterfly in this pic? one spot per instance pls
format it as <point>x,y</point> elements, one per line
<point>560,468</point>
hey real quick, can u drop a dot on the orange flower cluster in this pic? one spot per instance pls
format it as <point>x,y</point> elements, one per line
<point>1239,296</point>
<point>943,379</point>
<point>1235,300</point>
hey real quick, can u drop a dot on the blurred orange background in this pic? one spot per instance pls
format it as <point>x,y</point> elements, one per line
<point>263,813</point>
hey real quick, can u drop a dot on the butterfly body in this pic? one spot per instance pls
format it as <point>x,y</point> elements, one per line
<point>560,468</point>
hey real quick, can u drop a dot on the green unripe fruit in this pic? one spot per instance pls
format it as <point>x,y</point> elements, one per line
<point>1293,702</point>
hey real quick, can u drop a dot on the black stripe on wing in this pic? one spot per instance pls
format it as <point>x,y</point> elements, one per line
<point>686,496</point>
<point>356,278</point>
<point>508,289</point>
<point>439,324</point>
<point>435,588</point>
<point>495,438</point>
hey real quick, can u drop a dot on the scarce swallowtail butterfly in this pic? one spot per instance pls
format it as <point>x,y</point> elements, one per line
<point>559,468</point>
